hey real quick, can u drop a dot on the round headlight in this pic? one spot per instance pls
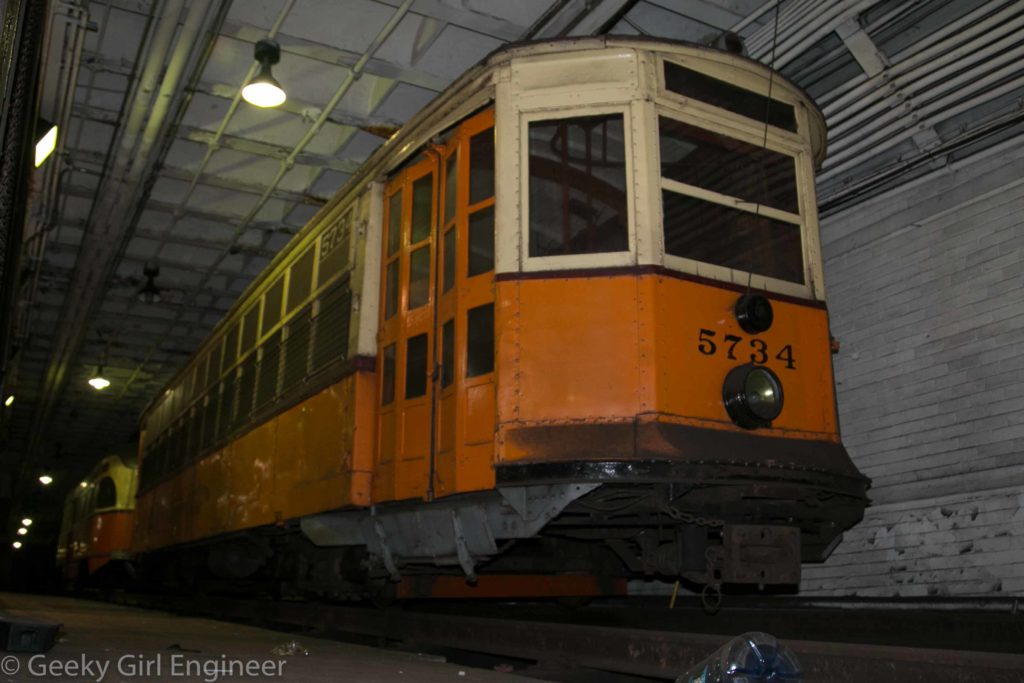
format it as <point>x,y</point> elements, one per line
<point>752,396</point>
<point>753,313</point>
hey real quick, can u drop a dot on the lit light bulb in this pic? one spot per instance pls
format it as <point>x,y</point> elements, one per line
<point>16,545</point>
<point>46,144</point>
<point>10,401</point>
<point>22,531</point>
<point>99,383</point>
<point>84,485</point>
<point>45,479</point>
<point>27,521</point>
<point>264,90</point>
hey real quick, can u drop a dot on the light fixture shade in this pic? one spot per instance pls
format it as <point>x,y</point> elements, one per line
<point>264,90</point>
<point>46,140</point>
<point>99,383</point>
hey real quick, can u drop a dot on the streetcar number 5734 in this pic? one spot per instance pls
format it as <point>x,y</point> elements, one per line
<point>709,344</point>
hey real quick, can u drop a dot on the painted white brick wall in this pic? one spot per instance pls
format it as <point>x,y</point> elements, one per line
<point>926,295</point>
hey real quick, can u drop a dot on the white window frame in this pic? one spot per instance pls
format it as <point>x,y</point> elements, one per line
<point>734,127</point>
<point>578,261</point>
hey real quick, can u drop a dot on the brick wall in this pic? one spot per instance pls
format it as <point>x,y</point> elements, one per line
<point>926,294</point>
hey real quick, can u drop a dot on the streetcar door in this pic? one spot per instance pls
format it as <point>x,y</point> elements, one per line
<point>465,413</point>
<point>406,340</point>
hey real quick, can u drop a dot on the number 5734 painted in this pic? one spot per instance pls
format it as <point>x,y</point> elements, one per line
<point>709,343</point>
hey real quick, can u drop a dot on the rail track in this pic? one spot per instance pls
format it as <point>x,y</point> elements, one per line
<point>617,638</point>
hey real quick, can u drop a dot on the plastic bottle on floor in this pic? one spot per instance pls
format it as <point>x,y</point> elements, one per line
<point>750,658</point>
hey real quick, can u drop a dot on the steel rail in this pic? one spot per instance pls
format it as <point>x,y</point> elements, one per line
<point>643,652</point>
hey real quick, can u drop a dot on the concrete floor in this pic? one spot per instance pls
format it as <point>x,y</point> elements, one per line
<point>108,643</point>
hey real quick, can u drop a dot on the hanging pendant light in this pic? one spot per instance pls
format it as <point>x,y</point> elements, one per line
<point>264,90</point>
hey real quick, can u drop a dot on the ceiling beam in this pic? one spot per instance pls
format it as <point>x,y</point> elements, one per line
<point>465,17</point>
<point>175,210</point>
<point>266,149</point>
<point>305,109</point>
<point>331,55</point>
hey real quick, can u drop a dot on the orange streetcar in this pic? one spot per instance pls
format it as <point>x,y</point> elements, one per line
<point>568,323</point>
<point>96,529</point>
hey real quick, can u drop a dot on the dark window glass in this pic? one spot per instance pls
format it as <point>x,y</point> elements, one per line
<point>296,350</point>
<point>209,421</point>
<point>693,84</point>
<point>200,386</point>
<point>227,406</point>
<point>578,186</point>
<point>480,340</point>
<point>391,291</point>
<point>334,245</point>
<point>481,166</point>
<point>214,372</point>
<point>451,184</point>
<point>422,208</point>
<point>272,306</point>
<point>246,390</point>
<point>387,390</point>
<point>332,321</point>
<point>448,354</point>
<point>722,164</point>
<point>270,363</point>
<point>724,236</point>
<point>419,277</point>
<point>231,347</point>
<point>395,222</point>
<point>449,259</point>
<point>416,366</point>
<point>481,241</point>
<point>106,493</point>
<point>301,280</point>
<point>249,330</point>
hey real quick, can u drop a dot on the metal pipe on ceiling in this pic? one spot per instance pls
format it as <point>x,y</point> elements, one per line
<point>171,83</point>
<point>157,56</point>
<point>934,112</point>
<point>989,51</point>
<point>109,220</point>
<point>214,143</point>
<point>287,163</point>
<point>932,52</point>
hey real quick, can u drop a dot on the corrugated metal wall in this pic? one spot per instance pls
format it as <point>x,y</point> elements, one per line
<point>926,287</point>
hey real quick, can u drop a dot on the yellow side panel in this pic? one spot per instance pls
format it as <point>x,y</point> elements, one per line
<point>364,438</point>
<point>251,481</point>
<point>142,536</point>
<point>211,495</point>
<point>689,381</point>
<point>314,453</point>
<point>578,347</point>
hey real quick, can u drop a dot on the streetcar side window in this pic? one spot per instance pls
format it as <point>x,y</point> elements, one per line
<point>481,166</point>
<point>106,494</point>
<point>300,280</point>
<point>480,340</point>
<point>387,392</point>
<point>689,83</point>
<point>729,203</point>
<point>416,366</point>
<point>732,238</point>
<point>577,193</point>
<point>705,159</point>
<point>481,241</point>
